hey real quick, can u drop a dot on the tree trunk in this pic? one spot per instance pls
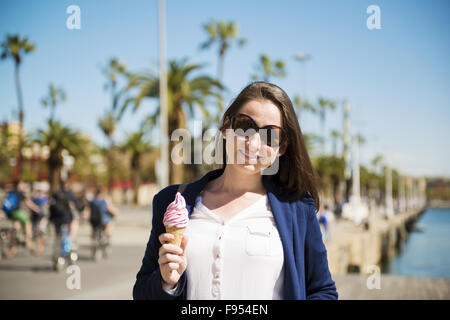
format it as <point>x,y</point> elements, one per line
<point>335,189</point>
<point>110,161</point>
<point>18,168</point>
<point>348,186</point>
<point>52,112</point>
<point>136,176</point>
<point>54,163</point>
<point>323,133</point>
<point>220,66</point>
<point>176,120</point>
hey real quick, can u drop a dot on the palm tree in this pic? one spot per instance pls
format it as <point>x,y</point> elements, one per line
<point>331,171</point>
<point>324,105</point>
<point>6,150</point>
<point>59,137</point>
<point>136,146</point>
<point>113,69</point>
<point>14,47</point>
<point>377,183</point>
<point>55,96</point>
<point>335,135</point>
<point>361,139</point>
<point>268,68</point>
<point>377,162</point>
<point>303,105</point>
<point>311,141</point>
<point>223,33</point>
<point>369,182</point>
<point>184,92</point>
<point>107,124</point>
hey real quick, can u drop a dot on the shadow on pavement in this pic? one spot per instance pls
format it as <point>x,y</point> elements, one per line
<point>48,268</point>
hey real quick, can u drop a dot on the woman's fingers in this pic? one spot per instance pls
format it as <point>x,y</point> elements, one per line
<point>172,258</point>
<point>165,237</point>
<point>173,265</point>
<point>184,242</point>
<point>167,258</point>
<point>170,248</point>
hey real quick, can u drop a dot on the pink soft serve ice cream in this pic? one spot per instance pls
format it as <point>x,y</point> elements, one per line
<point>176,218</point>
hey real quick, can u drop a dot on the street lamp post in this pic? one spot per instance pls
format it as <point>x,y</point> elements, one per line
<point>388,197</point>
<point>164,159</point>
<point>346,150</point>
<point>303,58</point>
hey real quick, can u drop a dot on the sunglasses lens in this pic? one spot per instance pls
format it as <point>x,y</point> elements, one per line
<point>243,126</point>
<point>271,136</point>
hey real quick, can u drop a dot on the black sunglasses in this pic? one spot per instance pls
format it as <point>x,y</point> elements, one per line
<point>244,126</point>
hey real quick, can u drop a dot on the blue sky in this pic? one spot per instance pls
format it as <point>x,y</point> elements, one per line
<point>396,78</point>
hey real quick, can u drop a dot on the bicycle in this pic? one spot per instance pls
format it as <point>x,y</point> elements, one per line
<point>38,236</point>
<point>11,239</point>
<point>101,243</point>
<point>63,251</point>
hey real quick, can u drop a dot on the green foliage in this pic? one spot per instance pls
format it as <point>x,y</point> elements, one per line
<point>329,166</point>
<point>54,96</point>
<point>183,89</point>
<point>14,47</point>
<point>267,68</point>
<point>107,123</point>
<point>58,137</point>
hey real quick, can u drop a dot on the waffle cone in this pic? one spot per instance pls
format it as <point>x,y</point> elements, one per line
<point>178,233</point>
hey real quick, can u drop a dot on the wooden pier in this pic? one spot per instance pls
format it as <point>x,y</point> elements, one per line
<point>353,249</point>
<point>355,252</point>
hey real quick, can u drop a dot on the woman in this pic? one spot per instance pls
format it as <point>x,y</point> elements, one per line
<point>253,232</point>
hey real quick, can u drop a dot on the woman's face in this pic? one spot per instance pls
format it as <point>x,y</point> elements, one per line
<point>250,154</point>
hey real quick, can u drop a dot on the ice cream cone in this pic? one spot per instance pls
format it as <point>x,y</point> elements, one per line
<point>176,218</point>
<point>178,234</point>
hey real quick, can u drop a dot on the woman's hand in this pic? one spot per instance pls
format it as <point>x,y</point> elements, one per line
<point>172,260</point>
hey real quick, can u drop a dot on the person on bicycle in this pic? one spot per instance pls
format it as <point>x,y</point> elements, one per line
<point>14,205</point>
<point>62,205</point>
<point>38,218</point>
<point>102,212</point>
<point>75,210</point>
<point>40,199</point>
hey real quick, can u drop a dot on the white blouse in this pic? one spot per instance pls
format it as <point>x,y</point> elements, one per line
<point>238,259</point>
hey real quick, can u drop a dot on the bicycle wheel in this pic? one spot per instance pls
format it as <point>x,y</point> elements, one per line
<point>96,245</point>
<point>3,243</point>
<point>11,243</point>
<point>38,243</point>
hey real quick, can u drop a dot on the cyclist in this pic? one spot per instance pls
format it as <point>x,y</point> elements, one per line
<point>102,213</point>
<point>14,205</point>
<point>74,208</point>
<point>38,218</point>
<point>62,205</point>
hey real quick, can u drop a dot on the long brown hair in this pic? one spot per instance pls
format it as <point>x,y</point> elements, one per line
<point>296,175</point>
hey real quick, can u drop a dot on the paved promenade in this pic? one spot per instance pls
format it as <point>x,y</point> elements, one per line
<point>28,277</point>
<point>354,287</point>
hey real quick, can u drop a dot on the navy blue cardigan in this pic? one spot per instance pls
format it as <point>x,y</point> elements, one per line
<point>307,275</point>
